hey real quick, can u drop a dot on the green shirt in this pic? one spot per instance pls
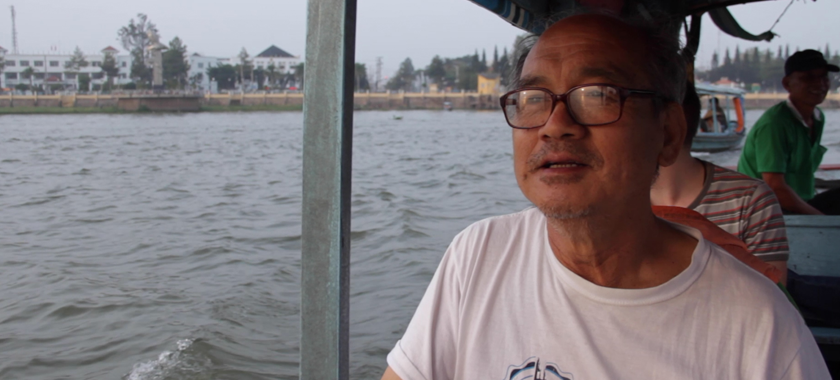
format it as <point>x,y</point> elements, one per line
<point>779,142</point>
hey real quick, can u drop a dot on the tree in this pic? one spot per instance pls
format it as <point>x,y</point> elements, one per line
<point>403,78</point>
<point>496,59</point>
<point>505,68</point>
<point>787,51</point>
<point>726,60</point>
<point>135,35</point>
<point>272,73</point>
<point>298,75</point>
<point>436,71</point>
<point>84,82</point>
<point>361,81</point>
<point>28,74</point>
<point>196,80</point>
<point>109,67</point>
<point>224,75</point>
<point>135,39</point>
<point>140,72</point>
<point>258,76</point>
<point>244,65</point>
<point>175,65</point>
<point>76,62</point>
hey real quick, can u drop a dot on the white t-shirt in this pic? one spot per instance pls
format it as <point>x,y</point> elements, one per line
<point>501,306</point>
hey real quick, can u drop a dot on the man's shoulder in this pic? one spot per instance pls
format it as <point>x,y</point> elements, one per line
<point>733,279</point>
<point>494,240</point>
<point>732,184</point>
<point>776,116</point>
<point>780,107</point>
<point>747,301</point>
<point>721,174</point>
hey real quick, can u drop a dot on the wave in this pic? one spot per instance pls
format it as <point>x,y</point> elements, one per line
<point>170,364</point>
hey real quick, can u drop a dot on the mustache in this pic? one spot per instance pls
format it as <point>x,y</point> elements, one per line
<point>581,154</point>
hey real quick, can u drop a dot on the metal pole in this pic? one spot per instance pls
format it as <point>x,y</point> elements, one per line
<point>327,148</point>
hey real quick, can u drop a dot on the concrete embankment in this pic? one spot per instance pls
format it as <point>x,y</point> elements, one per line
<point>294,101</point>
<point>258,101</point>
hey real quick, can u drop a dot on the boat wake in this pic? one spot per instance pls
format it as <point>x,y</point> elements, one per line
<point>167,364</point>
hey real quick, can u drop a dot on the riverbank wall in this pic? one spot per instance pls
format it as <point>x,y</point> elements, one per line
<point>294,101</point>
<point>362,101</point>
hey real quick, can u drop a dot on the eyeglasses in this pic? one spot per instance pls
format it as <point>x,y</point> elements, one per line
<point>587,104</point>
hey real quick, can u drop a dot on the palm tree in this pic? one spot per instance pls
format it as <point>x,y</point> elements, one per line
<point>298,75</point>
<point>272,75</point>
<point>29,73</point>
<point>2,68</point>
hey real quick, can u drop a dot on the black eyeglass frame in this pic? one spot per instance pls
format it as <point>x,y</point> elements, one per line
<point>624,93</point>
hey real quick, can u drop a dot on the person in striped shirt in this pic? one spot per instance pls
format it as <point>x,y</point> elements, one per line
<point>741,205</point>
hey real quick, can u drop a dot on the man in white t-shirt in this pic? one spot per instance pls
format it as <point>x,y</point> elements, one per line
<point>590,284</point>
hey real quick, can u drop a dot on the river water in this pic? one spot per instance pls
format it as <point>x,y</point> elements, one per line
<point>168,246</point>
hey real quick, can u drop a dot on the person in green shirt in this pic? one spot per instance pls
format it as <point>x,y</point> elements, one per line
<point>783,147</point>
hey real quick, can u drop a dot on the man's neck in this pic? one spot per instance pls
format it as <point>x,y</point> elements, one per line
<point>679,184</point>
<point>634,251</point>
<point>805,111</point>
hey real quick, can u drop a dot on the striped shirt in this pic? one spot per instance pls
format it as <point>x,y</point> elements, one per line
<point>745,207</point>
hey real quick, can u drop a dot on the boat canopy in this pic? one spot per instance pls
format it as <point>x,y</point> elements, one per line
<point>710,89</point>
<point>529,15</point>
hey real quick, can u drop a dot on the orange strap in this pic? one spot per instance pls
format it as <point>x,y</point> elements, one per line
<point>716,235</point>
<point>739,110</point>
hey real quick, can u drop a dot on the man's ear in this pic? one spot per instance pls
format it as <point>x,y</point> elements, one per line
<point>786,84</point>
<point>672,120</point>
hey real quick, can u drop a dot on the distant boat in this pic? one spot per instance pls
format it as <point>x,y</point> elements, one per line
<point>397,117</point>
<point>722,124</point>
<point>447,106</point>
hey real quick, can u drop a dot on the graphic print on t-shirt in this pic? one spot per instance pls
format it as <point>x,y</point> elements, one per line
<point>531,369</point>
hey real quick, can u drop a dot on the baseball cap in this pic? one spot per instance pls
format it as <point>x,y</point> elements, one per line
<point>807,60</point>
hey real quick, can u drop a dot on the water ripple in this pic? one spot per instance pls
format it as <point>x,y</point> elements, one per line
<point>142,247</point>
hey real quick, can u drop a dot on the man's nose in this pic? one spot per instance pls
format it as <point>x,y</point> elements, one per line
<point>560,124</point>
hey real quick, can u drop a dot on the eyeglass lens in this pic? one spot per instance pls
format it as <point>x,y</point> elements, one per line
<point>589,105</point>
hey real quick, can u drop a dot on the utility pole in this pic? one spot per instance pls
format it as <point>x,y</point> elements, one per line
<point>378,72</point>
<point>14,32</point>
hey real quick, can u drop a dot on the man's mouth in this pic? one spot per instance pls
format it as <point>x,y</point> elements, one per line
<point>562,165</point>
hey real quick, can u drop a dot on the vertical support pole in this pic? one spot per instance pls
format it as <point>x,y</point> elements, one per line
<point>715,126</point>
<point>327,148</point>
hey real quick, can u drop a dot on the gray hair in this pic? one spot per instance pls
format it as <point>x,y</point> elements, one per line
<point>666,68</point>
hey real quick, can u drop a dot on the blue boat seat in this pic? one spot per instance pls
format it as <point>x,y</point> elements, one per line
<point>815,252</point>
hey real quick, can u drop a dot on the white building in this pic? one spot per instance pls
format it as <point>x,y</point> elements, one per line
<point>49,70</point>
<point>197,75</point>
<point>282,61</point>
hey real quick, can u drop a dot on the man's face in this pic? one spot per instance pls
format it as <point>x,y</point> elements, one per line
<point>573,171</point>
<point>807,87</point>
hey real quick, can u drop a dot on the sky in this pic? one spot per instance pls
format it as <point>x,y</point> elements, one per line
<point>391,29</point>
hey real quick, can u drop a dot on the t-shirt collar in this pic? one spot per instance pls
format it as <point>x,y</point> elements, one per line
<point>799,116</point>
<point>633,297</point>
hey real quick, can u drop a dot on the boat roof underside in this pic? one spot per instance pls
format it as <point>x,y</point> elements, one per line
<point>530,15</point>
